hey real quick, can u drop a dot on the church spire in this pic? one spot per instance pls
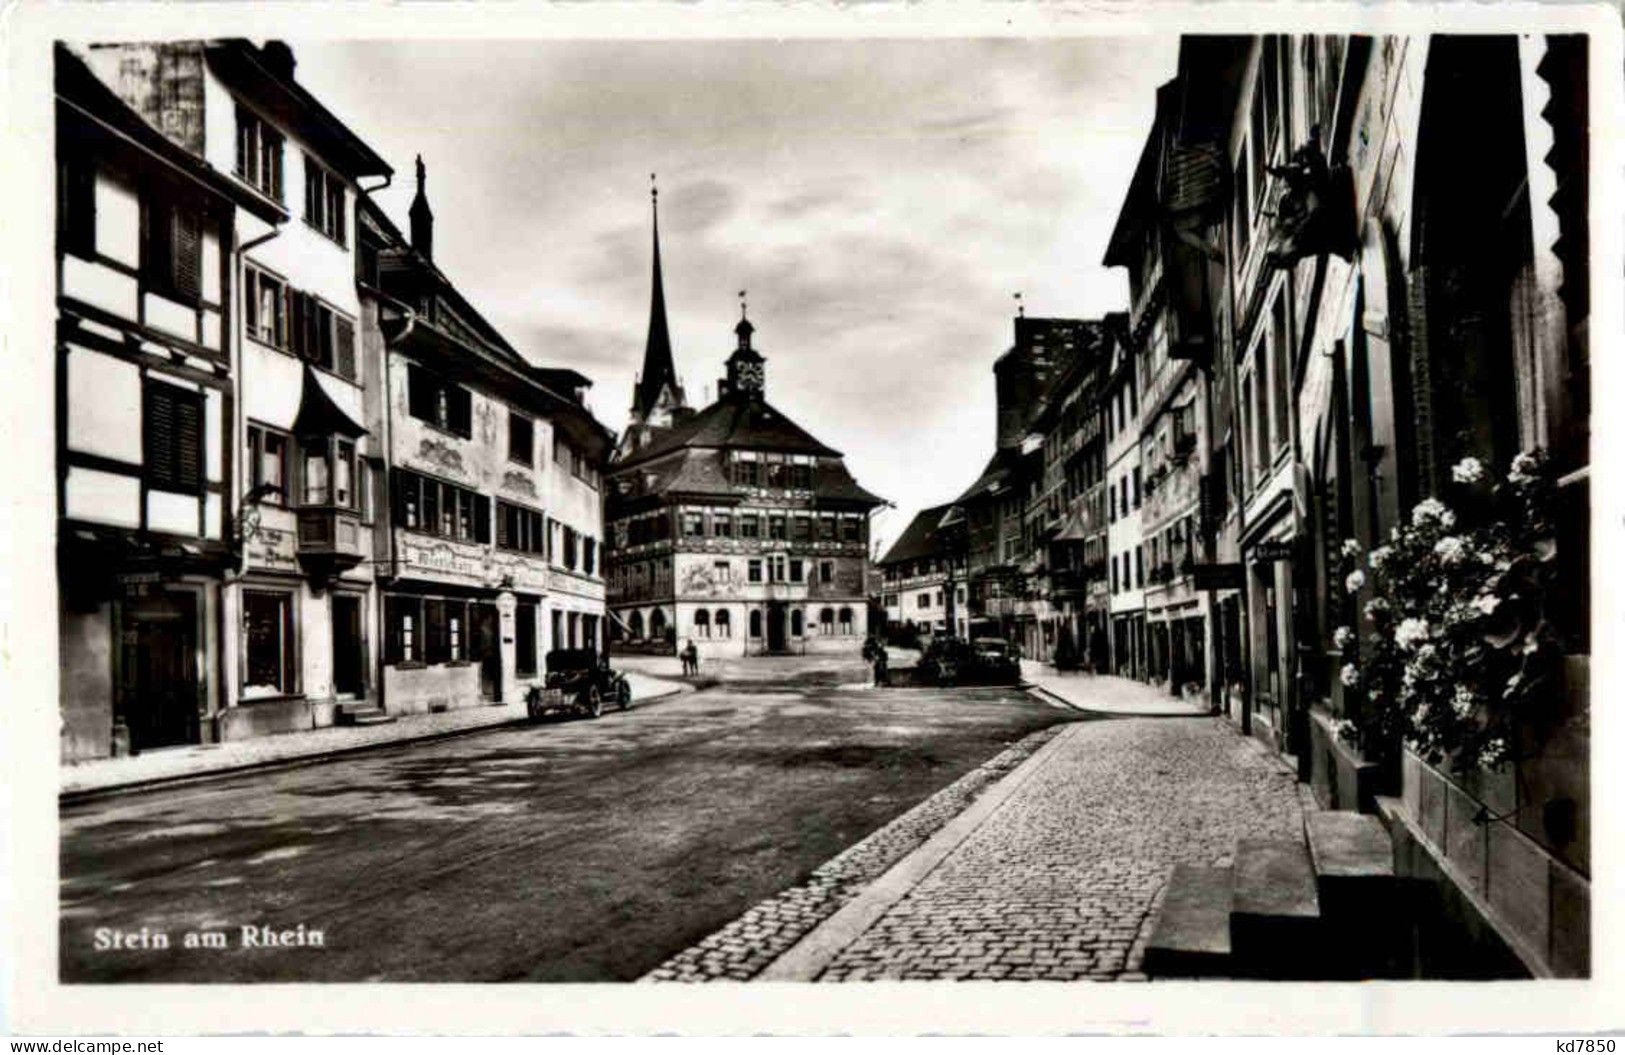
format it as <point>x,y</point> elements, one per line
<point>659,371</point>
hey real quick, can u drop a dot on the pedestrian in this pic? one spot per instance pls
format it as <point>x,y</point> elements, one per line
<point>882,676</point>
<point>691,658</point>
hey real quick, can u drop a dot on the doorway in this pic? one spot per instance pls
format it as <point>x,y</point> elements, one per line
<point>485,627</point>
<point>160,666</point>
<point>349,661</point>
<point>776,618</point>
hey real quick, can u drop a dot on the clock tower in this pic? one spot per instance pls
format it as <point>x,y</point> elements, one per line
<point>746,367</point>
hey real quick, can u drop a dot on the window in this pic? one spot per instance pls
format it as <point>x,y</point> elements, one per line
<point>589,555</point>
<point>268,650</point>
<point>520,529</point>
<point>429,505</point>
<point>1111,503</point>
<point>259,154</point>
<point>797,623</point>
<point>264,308</point>
<point>702,623</point>
<point>939,599</point>
<point>776,568</point>
<point>723,623</point>
<point>1136,487</point>
<point>796,571</point>
<point>267,460</point>
<point>521,439</point>
<point>722,525</point>
<point>173,438</point>
<point>750,526</point>
<point>570,548</point>
<point>1243,218</point>
<point>440,403</point>
<point>755,622</point>
<point>722,570</point>
<point>344,474</point>
<point>826,529</point>
<point>922,600</point>
<point>775,525</point>
<point>693,525</point>
<point>561,451</point>
<point>803,526</point>
<point>1139,565</point>
<point>172,249</point>
<point>76,207</point>
<point>826,571</point>
<point>403,619</point>
<point>851,529</point>
<point>753,572</point>
<point>826,621</point>
<point>524,638</point>
<point>324,200</point>
<point>1280,371</point>
<point>846,621</point>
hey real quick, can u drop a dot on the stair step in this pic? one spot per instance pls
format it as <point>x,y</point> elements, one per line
<point>1275,924</point>
<point>1345,845</point>
<point>380,718</point>
<point>361,714</point>
<point>1192,933</point>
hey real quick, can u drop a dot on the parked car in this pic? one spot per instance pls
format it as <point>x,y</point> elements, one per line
<point>996,660</point>
<point>578,682</point>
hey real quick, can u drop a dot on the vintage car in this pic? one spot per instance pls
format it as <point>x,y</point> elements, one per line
<point>578,682</point>
<point>950,660</point>
<point>996,660</point>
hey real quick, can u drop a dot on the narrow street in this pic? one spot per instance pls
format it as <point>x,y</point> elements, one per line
<point>564,851</point>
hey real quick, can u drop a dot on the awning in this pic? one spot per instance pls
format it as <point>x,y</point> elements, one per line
<point>319,415</point>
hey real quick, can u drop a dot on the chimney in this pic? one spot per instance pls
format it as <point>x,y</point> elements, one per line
<point>422,219</point>
<point>277,58</point>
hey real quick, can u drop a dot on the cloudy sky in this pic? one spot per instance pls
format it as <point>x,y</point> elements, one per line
<point>880,200</point>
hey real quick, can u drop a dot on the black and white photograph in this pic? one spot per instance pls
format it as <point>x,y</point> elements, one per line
<point>1036,507</point>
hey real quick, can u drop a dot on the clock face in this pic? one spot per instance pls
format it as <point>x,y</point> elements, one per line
<point>750,375</point>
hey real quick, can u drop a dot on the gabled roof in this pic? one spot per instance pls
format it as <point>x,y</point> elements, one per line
<point>738,420</point>
<point>701,472</point>
<point>921,538</point>
<point>993,478</point>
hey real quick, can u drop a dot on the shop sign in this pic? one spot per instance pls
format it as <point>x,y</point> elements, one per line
<point>1271,551</point>
<point>1217,576</point>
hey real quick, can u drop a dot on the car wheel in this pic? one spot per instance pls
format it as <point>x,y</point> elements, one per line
<point>623,695</point>
<point>594,702</point>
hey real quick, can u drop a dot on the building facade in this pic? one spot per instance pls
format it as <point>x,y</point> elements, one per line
<point>923,578</point>
<point>147,392</point>
<point>1122,490</point>
<point>492,554</point>
<point>738,531</point>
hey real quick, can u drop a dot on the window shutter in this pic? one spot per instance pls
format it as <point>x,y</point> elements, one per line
<point>344,346</point>
<point>77,208</point>
<point>313,191</point>
<point>174,438</point>
<point>160,437</point>
<point>186,252</point>
<point>1421,382</point>
<point>503,514</point>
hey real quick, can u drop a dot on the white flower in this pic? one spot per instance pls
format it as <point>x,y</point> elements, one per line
<point>1487,603</point>
<point>1351,548</point>
<point>1450,549</point>
<point>1523,468</point>
<point>1467,471</point>
<point>1350,676</point>
<point>1378,555</point>
<point>1411,632</point>
<point>1422,712</point>
<point>1343,637</point>
<point>1434,511</point>
<point>1355,580</point>
<point>1494,752</point>
<point>1375,607</point>
<point>1463,701</point>
<point>1426,654</point>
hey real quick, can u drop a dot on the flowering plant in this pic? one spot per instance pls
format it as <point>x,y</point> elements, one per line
<point>1457,652</point>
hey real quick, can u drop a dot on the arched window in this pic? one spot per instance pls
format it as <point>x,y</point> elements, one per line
<point>826,621</point>
<point>702,623</point>
<point>846,620</point>
<point>657,625</point>
<point>797,623</point>
<point>635,626</point>
<point>724,623</point>
<point>756,622</point>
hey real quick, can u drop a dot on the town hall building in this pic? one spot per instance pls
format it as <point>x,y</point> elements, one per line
<point>731,526</point>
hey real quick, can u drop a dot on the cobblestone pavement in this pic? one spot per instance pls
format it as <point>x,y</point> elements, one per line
<point>1063,880</point>
<point>744,947</point>
<point>1110,694</point>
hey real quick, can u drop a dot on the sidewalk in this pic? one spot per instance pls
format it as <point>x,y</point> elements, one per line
<point>1056,871</point>
<point>179,763</point>
<point>1108,693</point>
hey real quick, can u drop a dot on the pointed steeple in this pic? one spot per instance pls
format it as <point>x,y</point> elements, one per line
<point>659,371</point>
<point>422,218</point>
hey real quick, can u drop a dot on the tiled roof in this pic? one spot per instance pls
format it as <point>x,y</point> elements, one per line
<point>920,539</point>
<point>702,472</point>
<point>738,420</point>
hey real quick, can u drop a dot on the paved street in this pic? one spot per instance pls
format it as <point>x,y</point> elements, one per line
<point>565,851</point>
<point>1060,882</point>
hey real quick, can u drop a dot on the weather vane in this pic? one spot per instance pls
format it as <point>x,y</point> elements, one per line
<point>1021,309</point>
<point>654,191</point>
<point>741,304</point>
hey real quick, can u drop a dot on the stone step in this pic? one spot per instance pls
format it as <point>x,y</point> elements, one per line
<point>1275,916</point>
<point>361,714</point>
<point>1366,907</point>
<point>1345,845</point>
<point>1191,938</point>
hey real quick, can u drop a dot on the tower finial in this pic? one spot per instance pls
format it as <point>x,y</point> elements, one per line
<point>654,191</point>
<point>1021,309</point>
<point>742,305</point>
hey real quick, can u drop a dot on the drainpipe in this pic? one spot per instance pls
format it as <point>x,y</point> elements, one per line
<point>386,441</point>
